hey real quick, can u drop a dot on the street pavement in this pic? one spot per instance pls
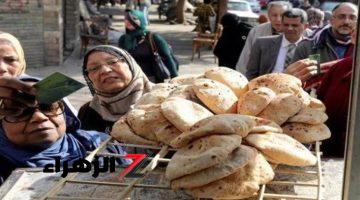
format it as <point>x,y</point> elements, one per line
<point>178,36</point>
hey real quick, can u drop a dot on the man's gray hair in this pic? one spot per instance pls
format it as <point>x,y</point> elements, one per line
<point>287,5</point>
<point>295,13</point>
<point>345,4</point>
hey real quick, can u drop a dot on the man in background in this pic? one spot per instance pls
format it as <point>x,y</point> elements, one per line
<point>331,43</point>
<point>275,11</point>
<point>274,53</point>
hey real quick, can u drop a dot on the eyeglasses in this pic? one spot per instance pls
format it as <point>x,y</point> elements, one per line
<point>110,63</point>
<point>52,110</point>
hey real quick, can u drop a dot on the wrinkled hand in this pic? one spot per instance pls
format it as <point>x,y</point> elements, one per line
<point>302,69</point>
<point>15,95</point>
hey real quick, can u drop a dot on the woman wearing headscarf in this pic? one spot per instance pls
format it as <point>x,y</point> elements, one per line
<point>116,82</point>
<point>43,133</point>
<point>12,65</point>
<point>137,42</point>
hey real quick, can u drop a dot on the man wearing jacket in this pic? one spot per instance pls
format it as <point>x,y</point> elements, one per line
<point>332,42</point>
<point>275,11</point>
<point>274,53</point>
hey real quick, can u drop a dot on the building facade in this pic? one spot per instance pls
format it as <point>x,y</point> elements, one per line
<point>47,29</point>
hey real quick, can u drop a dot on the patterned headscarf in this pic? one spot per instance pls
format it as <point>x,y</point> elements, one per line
<point>138,21</point>
<point>111,108</point>
<point>7,37</point>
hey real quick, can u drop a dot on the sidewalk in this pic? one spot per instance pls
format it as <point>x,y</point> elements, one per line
<point>178,36</point>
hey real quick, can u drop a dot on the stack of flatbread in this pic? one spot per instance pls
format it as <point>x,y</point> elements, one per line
<point>226,156</point>
<point>172,108</point>
<point>227,130</point>
<point>280,98</point>
<point>152,124</point>
<point>212,162</point>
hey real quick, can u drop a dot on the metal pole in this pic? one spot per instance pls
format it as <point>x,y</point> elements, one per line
<point>351,185</point>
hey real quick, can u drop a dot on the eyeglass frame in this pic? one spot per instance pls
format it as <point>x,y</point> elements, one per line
<point>111,63</point>
<point>353,18</point>
<point>37,108</point>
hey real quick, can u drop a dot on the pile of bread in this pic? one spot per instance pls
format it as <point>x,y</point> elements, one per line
<point>226,129</point>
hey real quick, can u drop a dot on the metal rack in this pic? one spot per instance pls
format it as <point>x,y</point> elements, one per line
<point>126,188</point>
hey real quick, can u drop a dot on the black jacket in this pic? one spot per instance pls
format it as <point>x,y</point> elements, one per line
<point>232,40</point>
<point>91,120</point>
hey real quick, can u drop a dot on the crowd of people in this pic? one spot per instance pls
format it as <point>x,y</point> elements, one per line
<point>33,134</point>
<point>307,44</point>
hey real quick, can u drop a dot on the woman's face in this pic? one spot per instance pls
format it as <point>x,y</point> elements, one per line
<point>45,127</point>
<point>108,73</point>
<point>9,60</point>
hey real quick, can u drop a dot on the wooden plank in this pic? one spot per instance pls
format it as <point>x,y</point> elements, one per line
<point>53,191</point>
<point>120,184</point>
<point>10,182</point>
<point>287,196</point>
<point>151,166</point>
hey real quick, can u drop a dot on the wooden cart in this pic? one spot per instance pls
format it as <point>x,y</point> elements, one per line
<point>310,189</point>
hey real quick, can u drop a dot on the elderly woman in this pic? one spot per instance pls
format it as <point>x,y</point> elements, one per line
<point>116,82</point>
<point>137,41</point>
<point>42,133</point>
<point>12,64</point>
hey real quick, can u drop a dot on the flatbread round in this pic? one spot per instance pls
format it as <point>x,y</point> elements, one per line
<point>254,101</point>
<point>283,107</point>
<point>167,133</point>
<point>237,159</point>
<point>309,116</point>
<point>164,86</point>
<point>307,133</point>
<point>154,97</point>
<point>186,79</point>
<point>201,154</point>
<point>304,97</point>
<point>229,77</point>
<point>282,149</point>
<point>183,113</point>
<point>224,124</point>
<point>216,96</point>
<point>277,82</point>
<point>150,123</point>
<point>241,184</point>
<point>185,92</point>
<point>265,125</point>
<point>317,104</point>
<point>122,132</point>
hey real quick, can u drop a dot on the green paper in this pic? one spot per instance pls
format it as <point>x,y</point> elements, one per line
<point>55,87</point>
<point>316,57</point>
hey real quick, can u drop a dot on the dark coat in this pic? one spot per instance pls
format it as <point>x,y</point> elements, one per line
<point>334,92</point>
<point>91,120</point>
<point>319,43</point>
<point>232,40</point>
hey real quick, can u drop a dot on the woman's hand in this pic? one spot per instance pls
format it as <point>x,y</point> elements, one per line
<point>15,95</point>
<point>302,69</point>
